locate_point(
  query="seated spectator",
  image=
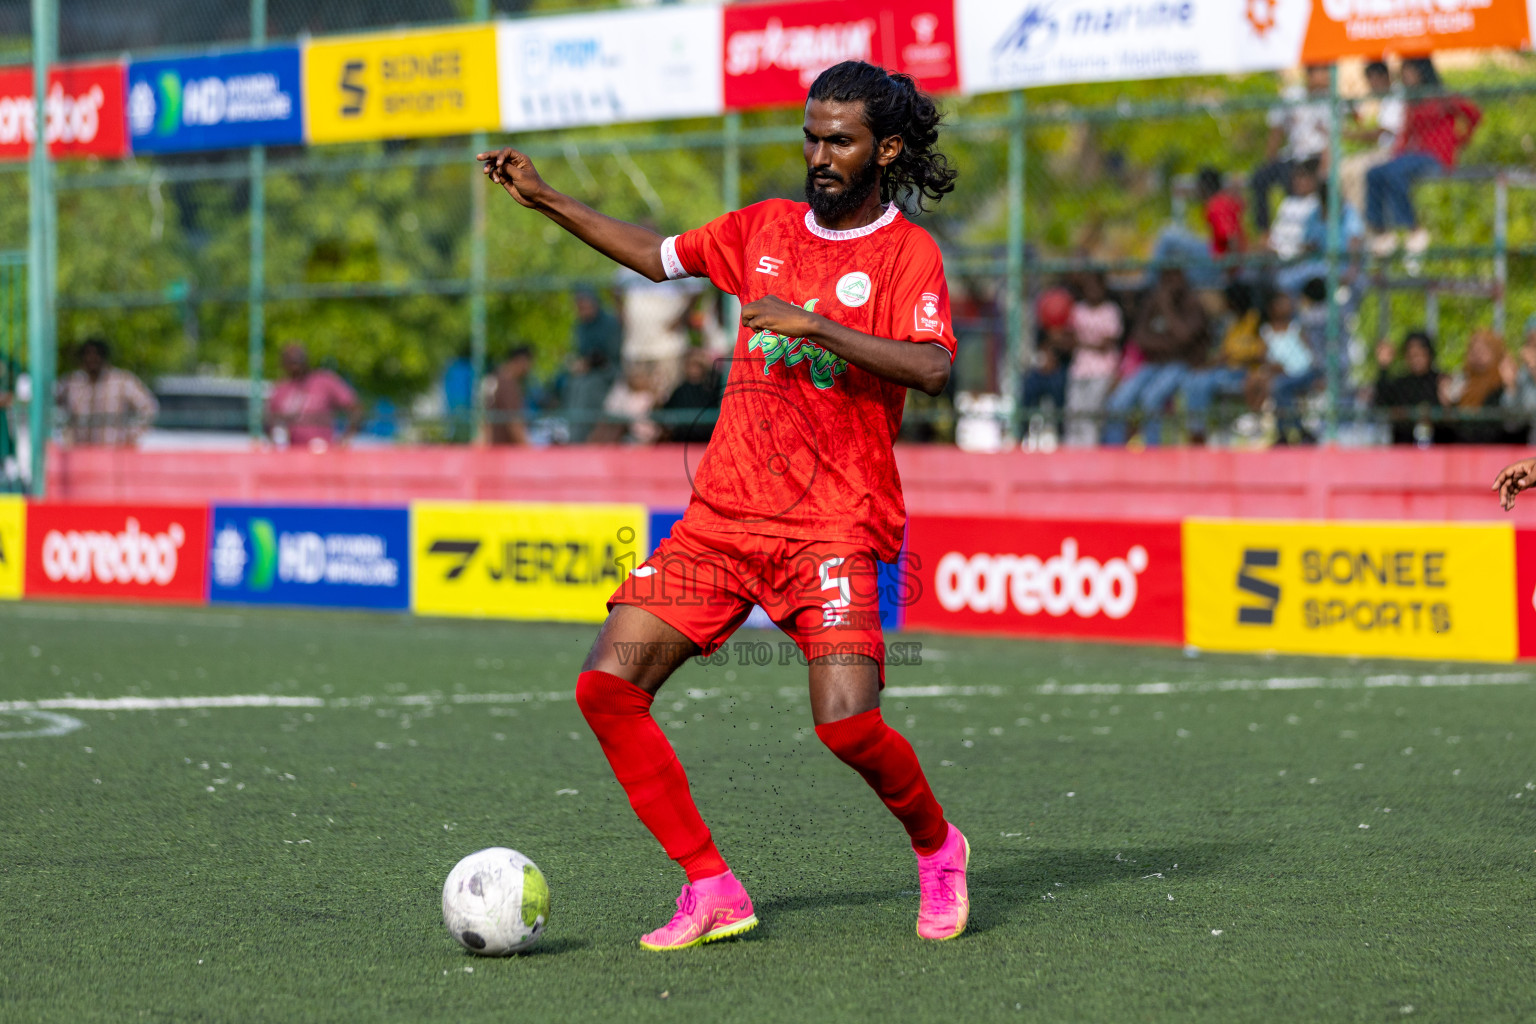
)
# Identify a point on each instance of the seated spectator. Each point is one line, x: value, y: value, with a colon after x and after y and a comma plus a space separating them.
x: 689, y: 413
x: 1312, y: 259
x: 1518, y: 374
x: 1223, y: 209
x: 509, y: 402
x: 1097, y: 324
x: 1291, y: 366
x: 627, y: 409
x: 1170, y: 333
x: 1437, y: 128
x: 303, y: 407
x: 1045, y: 382
x: 1242, y: 352
x: 1287, y: 236
x: 1412, y: 398
x: 1391, y: 114
x: 1298, y: 132
x: 1477, y: 389
x: 104, y: 404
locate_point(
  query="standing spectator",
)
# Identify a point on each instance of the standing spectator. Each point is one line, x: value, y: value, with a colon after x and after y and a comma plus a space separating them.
x: 1171, y: 333
x: 1298, y: 132
x: 688, y: 415
x: 627, y: 410
x: 1291, y: 368
x: 1045, y: 382
x: 597, y: 342
x: 1242, y: 352
x: 1477, y: 389
x: 303, y: 407
x: 1223, y: 209
x: 599, y: 337
x: 508, y: 401
x: 1097, y: 324
x: 459, y: 397
x: 102, y: 404
x: 1438, y: 127
x: 1519, y: 376
x: 655, y: 316
x: 1411, y: 400
x: 1391, y: 115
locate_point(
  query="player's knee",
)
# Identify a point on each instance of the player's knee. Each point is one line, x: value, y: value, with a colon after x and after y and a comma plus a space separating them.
x: 604, y: 693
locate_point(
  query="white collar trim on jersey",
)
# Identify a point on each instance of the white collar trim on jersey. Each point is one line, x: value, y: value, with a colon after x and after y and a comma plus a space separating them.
x: 891, y: 210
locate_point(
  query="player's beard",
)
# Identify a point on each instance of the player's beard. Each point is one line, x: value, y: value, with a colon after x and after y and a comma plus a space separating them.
x: 834, y: 206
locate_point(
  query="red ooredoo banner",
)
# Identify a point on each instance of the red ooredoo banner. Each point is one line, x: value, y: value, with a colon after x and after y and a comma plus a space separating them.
x: 85, y: 107
x: 773, y: 52
x: 142, y: 552
x: 1036, y: 577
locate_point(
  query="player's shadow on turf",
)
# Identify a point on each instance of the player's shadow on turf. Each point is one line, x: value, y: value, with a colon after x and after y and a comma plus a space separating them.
x: 549, y: 947
x: 1003, y: 882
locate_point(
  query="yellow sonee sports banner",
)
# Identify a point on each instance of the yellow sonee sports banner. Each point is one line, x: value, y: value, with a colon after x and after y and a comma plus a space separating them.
x: 13, y: 546
x: 399, y: 85
x: 523, y: 560
x: 1403, y: 590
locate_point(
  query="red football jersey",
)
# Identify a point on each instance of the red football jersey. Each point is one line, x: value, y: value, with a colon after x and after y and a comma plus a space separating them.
x: 803, y: 445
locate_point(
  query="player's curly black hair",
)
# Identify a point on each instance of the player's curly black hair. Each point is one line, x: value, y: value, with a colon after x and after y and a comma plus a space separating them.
x: 894, y: 105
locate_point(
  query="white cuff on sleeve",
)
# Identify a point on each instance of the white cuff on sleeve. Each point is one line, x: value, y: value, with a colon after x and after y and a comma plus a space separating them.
x: 669, y: 261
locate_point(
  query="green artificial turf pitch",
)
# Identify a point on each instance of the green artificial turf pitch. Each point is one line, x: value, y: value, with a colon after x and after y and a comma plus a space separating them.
x: 1255, y: 839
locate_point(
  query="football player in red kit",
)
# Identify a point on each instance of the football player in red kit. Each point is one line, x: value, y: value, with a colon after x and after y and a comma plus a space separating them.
x: 797, y: 495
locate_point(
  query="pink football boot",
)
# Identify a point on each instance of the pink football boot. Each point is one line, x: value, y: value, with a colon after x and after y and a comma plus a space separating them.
x: 941, y: 876
x: 709, y: 909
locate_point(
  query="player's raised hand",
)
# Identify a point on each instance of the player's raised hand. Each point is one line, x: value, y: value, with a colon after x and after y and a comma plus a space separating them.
x: 1513, y: 479
x: 515, y: 172
x: 773, y: 314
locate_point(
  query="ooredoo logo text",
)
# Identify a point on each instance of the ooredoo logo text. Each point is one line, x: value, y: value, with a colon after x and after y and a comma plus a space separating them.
x: 70, y: 119
x: 129, y: 556
x: 1063, y: 583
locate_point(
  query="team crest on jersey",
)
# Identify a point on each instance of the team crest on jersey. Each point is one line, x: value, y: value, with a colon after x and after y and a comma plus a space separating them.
x: 854, y: 289
x: 776, y: 348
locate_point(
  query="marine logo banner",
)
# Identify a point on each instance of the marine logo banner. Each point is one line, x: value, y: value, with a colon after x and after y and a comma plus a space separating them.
x: 217, y: 102
x: 399, y: 85
x: 13, y: 545
x: 1404, y: 590
x: 515, y: 560
x: 334, y: 557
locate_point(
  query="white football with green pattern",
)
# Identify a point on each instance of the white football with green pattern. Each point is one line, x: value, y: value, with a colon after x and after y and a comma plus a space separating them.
x: 496, y: 902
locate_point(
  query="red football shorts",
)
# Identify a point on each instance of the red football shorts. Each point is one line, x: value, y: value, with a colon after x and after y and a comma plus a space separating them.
x: 823, y: 594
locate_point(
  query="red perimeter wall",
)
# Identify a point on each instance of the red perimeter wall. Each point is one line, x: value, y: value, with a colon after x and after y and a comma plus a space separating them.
x: 1444, y: 483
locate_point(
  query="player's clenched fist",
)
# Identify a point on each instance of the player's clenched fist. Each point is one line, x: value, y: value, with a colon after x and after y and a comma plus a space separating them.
x: 1513, y: 479
x: 515, y: 172
x: 773, y: 314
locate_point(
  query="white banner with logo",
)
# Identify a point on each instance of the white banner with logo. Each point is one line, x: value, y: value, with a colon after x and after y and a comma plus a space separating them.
x: 1014, y: 44
x: 606, y: 68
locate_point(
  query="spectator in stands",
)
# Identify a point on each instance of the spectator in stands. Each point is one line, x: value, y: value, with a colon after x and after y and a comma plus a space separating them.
x: 655, y: 315
x: 509, y: 401
x: 1097, y: 325
x: 1391, y: 115
x: 1291, y: 366
x: 103, y: 404
x: 1476, y: 390
x: 627, y: 409
x: 1170, y: 334
x: 1287, y: 236
x: 599, y: 337
x: 1438, y: 126
x: 459, y: 397
x: 1242, y: 353
x: 1411, y: 399
x: 303, y: 407
x: 598, y: 341
x: 1045, y: 382
x: 1310, y: 207
x: 1518, y: 374
x: 1298, y: 132
x: 688, y: 415
x: 1223, y: 209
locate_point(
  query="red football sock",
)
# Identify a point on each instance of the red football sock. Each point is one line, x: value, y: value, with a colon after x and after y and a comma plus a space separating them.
x: 887, y: 762
x: 645, y: 764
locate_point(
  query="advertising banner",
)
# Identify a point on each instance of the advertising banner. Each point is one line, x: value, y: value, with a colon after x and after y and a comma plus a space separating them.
x: 605, y: 68
x: 1372, y: 28
x: 399, y: 85
x: 13, y: 545
x: 523, y: 560
x: 774, y: 51
x: 334, y: 557
x: 216, y: 102
x: 1037, y: 577
x: 117, y: 552
x: 1401, y: 590
x: 84, y: 111
x: 1525, y: 590
x: 1014, y: 44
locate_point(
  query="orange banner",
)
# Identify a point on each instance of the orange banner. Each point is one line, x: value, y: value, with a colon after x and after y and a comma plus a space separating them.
x: 1371, y: 28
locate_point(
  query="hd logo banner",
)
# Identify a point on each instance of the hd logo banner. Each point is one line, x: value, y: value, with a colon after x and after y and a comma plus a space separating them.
x: 1408, y: 590
x: 516, y: 560
x: 224, y: 101
x: 13, y: 544
x: 334, y: 557
x: 401, y: 85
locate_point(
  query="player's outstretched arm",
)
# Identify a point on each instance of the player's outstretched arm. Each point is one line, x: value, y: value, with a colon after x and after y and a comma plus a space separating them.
x: 636, y: 247
x: 1513, y: 479
x: 921, y: 366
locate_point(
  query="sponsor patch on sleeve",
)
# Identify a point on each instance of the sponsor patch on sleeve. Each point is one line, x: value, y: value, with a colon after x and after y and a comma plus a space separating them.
x: 925, y: 315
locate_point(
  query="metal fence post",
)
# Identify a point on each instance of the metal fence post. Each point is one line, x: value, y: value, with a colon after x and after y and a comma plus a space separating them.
x: 730, y: 189
x: 1013, y: 298
x: 1331, y: 340
x: 257, y: 283
x: 42, y: 211
x: 477, y: 273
